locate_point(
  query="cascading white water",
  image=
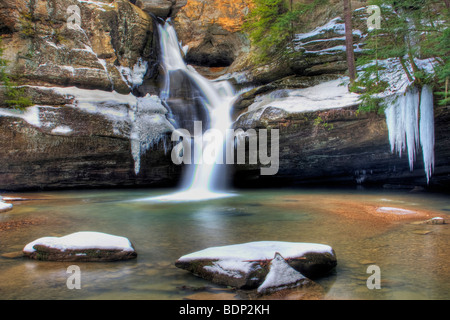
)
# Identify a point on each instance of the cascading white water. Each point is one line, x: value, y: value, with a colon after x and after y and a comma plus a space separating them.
x: 201, y: 180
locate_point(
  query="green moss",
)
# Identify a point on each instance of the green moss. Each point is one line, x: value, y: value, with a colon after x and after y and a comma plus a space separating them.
x: 319, y: 121
x: 27, y: 26
x: 15, y: 96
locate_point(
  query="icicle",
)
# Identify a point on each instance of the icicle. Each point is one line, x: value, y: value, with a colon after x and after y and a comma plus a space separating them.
x: 403, y: 124
x: 411, y: 110
x: 427, y: 130
x: 406, y: 131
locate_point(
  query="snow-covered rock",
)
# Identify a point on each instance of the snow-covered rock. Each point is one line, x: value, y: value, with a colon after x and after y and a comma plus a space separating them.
x: 246, y: 265
x: 5, y: 206
x: 81, y: 246
x: 281, y: 276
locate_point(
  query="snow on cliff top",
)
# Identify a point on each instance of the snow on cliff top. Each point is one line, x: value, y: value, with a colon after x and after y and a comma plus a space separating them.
x: 327, y: 95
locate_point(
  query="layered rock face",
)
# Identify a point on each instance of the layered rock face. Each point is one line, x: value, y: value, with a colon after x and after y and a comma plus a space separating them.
x: 72, y: 138
x: 92, y: 138
x: 343, y: 148
x: 212, y: 32
x: 72, y: 43
x: 81, y: 63
x: 160, y: 8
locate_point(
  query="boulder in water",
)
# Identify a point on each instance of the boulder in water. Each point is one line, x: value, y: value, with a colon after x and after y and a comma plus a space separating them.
x: 435, y: 220
x: 5, y: 206
x: 81, y: 246
x: 247, y: 265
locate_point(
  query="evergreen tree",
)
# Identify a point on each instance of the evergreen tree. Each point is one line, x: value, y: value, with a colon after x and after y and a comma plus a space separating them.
x: 411, y: 31
x: 271, y: 26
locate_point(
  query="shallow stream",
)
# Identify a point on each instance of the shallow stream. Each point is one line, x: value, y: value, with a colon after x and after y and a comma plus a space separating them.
x: 413, y: 258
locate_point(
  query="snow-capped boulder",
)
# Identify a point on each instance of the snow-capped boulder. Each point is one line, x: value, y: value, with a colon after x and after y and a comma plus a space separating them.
x: 5, y: 206
x: 247, y: 265
x: 81, y: 246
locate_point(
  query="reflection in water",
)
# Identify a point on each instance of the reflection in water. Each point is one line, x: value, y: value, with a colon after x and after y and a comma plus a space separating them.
x: 413, y: 257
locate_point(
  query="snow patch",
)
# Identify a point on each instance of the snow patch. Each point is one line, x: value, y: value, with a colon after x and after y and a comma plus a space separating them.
x: 281, y: 276
x: 335, y: 26
x: 327, y: 95
x: 230, y: 268
x: 62, y: 130
x: 98, y: 4
x: 392, y: 210
x: 30, y: 115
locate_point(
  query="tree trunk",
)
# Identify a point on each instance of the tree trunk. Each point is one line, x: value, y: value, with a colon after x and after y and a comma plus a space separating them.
x: 349, y: 40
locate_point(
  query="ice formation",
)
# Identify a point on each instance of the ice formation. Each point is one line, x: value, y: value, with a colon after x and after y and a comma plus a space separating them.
x: 409, y: 110
x: 134, y: 77
x: 148, y: 127
x: 410, y: 122
x: 427, y: 130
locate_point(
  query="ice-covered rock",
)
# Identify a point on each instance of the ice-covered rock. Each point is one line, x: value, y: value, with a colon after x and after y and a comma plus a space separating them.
x: 246, y: 265
x: 81, y: 246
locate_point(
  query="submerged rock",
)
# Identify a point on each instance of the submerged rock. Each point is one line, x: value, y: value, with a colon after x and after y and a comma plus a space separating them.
x: 81, y: 246
x: 247, y: 265
x: 435, y: 220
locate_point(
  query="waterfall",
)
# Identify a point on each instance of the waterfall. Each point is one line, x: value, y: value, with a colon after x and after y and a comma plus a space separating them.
x: 205, y: 102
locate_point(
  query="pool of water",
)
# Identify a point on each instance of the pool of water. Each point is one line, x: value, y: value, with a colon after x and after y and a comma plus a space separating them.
x: 413, y: 258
